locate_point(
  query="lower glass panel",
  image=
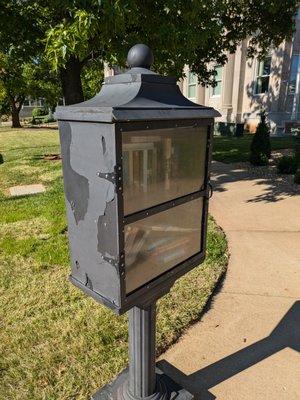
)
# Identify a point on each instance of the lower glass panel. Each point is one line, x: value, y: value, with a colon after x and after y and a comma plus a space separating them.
x: 156, y: 244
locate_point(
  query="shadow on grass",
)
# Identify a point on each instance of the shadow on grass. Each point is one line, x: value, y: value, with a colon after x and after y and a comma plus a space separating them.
x: 276, y: 188
x: 41, y: 127
x: 46, y: 146
x: 285, y: 335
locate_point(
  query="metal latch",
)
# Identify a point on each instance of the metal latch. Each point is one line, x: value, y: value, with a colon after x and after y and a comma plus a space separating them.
x: 210, y: 190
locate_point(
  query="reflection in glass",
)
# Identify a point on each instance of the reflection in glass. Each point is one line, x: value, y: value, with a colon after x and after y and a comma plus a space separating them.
x: 161, y: 165
x: 155, y: 244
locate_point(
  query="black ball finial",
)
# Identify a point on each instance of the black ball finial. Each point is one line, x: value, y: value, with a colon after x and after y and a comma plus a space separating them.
x: 140, y: 56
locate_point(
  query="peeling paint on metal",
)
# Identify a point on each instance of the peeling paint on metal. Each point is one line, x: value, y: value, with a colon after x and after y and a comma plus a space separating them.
x: 106, y: 227
x: 76, y: 185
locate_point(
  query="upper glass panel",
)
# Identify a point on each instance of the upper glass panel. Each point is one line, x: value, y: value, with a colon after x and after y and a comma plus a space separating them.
x: 161, y: 165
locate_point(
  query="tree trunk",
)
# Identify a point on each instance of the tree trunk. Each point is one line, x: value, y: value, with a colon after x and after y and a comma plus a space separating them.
x: 15, y: 117
x: 71, y: 81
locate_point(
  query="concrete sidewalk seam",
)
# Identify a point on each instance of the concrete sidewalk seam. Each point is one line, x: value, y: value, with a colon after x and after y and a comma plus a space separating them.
x: 260, y: 295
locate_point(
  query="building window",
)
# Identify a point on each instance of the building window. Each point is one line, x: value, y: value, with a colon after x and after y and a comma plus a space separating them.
x: 263, y: 75
x: 216, y: 90
x: 192, y: 85
x: 294, y: 73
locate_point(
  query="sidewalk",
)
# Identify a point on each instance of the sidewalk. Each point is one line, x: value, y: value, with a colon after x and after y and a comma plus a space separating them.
x: 247, y: 346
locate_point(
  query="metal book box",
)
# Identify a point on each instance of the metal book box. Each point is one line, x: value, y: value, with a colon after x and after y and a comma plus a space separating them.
x: 136, y: 174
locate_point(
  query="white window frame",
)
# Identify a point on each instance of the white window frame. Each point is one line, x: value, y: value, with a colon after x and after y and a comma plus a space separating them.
x: 258, y: 76
x: 218, y: 81
x: 290, y: 92
x: 191, y: 83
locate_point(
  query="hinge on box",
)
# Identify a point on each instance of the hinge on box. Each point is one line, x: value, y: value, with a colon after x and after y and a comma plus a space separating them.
x: 113, y: 261
x: 113, y: 177
x: 117, y: 262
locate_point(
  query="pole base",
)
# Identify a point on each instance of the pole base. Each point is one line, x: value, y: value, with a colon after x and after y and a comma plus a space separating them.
x: 167, y: 389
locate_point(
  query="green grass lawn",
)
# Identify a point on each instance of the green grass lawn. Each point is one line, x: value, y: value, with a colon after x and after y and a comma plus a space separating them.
x: 55, y: 342
x: 236, y: 149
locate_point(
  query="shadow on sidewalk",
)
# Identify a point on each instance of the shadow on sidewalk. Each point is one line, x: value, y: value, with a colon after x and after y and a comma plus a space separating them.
x: 286, y: 334
x: 277, y: 186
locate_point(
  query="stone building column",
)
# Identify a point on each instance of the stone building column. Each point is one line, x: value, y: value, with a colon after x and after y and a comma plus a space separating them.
x: 238, y: 89
x: 201, y: 94
x: 227, y: 84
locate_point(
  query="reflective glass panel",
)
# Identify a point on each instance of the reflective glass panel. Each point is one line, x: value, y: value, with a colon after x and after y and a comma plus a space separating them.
x: 161, y: 165
x: 155, y: 244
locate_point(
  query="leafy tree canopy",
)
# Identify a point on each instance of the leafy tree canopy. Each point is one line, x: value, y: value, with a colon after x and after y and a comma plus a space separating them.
x: 20, y: 79
x: 79, y: 32
x: 179, y: 32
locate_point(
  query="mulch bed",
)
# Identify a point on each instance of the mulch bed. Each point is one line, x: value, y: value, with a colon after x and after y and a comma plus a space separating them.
x: 269, y: 172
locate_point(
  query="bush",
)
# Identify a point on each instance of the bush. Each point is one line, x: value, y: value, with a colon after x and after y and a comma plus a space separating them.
x: 297, y: 177
x: 261, y: 145
x: 48, y: 118
x: 38, y: 112
x: 259, y: 159
x: 287, y: 165
x: 4, y: 117
x: 1, y: 159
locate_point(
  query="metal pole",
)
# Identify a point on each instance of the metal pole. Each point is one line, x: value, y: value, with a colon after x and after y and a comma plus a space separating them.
x: 142, y: 327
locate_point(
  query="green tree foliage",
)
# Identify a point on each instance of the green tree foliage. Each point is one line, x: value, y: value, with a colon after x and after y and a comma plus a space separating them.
x: 4, y: 103
x: 261, y: 144
x: 21, y: 79
x: 92, y: 77
x: 77, y: 32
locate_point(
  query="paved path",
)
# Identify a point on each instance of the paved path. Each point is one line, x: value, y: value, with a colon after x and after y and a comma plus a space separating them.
x: 247, y: 346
